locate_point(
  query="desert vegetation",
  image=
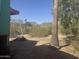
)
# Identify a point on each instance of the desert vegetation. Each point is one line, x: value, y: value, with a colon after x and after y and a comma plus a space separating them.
x: 38, y: 30
x: 68, y: 24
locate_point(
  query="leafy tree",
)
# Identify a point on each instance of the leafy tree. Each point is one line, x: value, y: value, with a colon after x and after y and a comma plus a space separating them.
x: 68, y: 15
x: 69, y: 19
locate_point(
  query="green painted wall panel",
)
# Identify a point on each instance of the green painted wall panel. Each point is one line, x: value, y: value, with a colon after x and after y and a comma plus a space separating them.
x: 4, y: 17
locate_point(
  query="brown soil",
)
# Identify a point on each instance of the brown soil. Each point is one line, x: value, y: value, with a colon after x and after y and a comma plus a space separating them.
x: 22, y: 48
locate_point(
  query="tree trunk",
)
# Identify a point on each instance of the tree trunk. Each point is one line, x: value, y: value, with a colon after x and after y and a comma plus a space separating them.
x: 55, y: 41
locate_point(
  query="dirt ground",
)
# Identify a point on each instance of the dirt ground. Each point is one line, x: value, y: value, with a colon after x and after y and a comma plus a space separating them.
x: 38, y: 48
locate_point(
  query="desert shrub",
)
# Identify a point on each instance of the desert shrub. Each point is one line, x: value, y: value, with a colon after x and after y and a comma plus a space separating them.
x: 40, y: 31
x: 75, y: 44
x: 17, y: 28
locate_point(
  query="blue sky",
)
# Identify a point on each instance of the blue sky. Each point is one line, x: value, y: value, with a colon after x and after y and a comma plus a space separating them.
x: 33, y: 10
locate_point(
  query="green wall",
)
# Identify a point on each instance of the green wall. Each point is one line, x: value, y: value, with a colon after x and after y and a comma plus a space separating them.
x: 4, y: 17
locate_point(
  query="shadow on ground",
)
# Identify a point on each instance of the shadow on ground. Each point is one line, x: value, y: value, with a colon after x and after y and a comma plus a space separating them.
x: 22, y: 48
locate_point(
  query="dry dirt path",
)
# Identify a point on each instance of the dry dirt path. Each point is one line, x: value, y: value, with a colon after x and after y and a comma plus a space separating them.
x: 22, y: 48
